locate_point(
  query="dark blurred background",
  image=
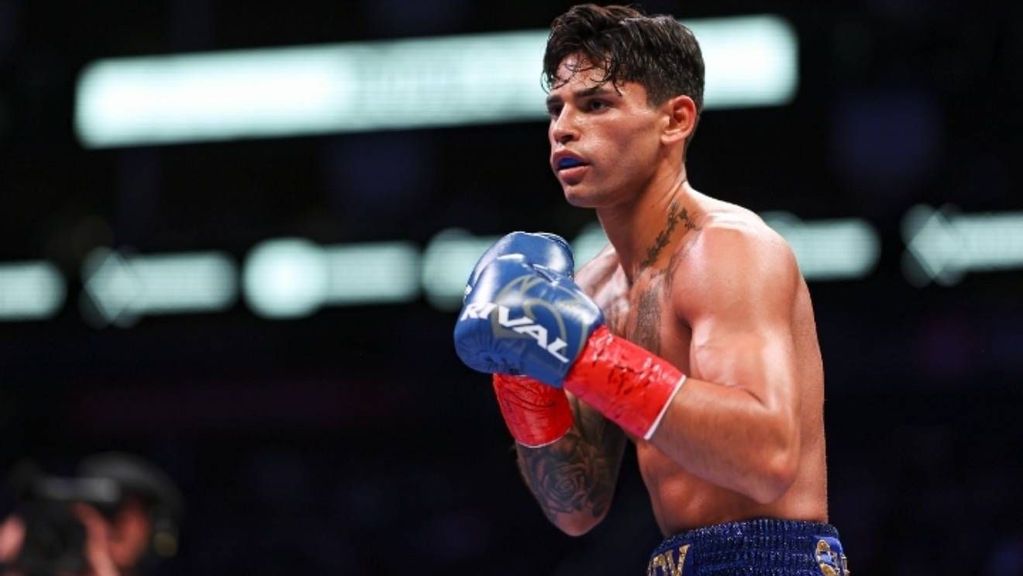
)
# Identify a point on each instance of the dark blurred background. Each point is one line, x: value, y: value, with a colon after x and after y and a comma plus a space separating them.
x: 352, y: 441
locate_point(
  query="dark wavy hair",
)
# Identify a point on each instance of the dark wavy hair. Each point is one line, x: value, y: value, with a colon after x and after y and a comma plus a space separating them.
x: 655, y: 51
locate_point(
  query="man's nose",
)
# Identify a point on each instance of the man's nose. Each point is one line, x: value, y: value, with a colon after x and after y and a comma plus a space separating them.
x: 563, y: 128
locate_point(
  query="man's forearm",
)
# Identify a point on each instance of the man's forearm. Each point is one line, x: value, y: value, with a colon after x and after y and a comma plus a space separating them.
x: 574, y: 478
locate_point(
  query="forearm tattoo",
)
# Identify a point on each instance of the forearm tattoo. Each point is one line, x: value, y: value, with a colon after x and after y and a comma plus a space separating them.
x: 577, y: 473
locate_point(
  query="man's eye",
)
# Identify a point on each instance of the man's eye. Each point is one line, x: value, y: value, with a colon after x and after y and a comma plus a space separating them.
x: 595, y: 105
x: 553, y: 111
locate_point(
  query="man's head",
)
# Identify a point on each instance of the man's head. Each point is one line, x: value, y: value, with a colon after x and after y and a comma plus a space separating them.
x: 624, y: 96
x: 655, y: 51
x: 150, y: 509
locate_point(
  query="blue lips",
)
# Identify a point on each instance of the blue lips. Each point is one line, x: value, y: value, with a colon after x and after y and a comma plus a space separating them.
x: 569, y: 163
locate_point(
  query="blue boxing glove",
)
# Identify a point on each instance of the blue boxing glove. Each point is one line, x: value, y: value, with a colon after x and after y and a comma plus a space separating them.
x: 538, y: 248
x: 522, y: 313
x: 536, y: 414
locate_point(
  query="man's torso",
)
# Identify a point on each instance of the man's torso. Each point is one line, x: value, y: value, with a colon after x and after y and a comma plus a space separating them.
x: 642, y: 313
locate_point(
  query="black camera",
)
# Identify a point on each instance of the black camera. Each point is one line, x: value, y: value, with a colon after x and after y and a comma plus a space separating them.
x: 55, y: 538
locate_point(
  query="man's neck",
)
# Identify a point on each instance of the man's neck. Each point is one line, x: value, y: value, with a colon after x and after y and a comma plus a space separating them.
x: 644, y: 230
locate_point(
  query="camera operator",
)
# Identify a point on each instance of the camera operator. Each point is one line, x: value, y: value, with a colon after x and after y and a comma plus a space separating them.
x: 116, y: 517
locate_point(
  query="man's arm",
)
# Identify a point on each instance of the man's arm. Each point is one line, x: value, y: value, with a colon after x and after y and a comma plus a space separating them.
x: 735, y: 422
x: 574, y: 478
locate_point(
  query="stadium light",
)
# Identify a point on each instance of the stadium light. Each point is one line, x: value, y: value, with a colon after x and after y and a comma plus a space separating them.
x: 30, y: 291
x: 385, y: 85
x: 293, y: 277
x: 943, y: 245
x: 837, y: 249
x: 120, y: 288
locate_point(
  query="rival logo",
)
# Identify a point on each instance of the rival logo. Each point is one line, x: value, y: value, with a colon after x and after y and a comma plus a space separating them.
x: 524, y: 325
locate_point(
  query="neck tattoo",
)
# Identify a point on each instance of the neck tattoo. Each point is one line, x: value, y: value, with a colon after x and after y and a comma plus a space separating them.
x: 676, y: 215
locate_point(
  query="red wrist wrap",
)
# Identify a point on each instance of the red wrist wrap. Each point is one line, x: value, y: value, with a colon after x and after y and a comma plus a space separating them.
x: 536, y: 414
x: 625, y: 382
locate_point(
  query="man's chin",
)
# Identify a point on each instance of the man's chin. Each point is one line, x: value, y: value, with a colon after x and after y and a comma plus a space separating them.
x: 579, y: 198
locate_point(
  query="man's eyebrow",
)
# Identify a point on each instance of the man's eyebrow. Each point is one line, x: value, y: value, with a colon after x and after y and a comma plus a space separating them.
x: 593, y: 91
x: 599, y: 89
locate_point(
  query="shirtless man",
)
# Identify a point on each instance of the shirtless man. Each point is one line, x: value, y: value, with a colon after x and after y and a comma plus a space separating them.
x: 692, y: 334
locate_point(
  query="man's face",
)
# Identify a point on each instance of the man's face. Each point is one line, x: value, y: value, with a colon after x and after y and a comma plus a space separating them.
x: 605, y: 139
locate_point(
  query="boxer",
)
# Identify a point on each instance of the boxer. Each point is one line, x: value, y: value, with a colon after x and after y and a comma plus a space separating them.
x: 691, y: 334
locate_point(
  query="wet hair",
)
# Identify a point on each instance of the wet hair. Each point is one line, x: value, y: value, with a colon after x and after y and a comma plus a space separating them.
x: 656, y: 51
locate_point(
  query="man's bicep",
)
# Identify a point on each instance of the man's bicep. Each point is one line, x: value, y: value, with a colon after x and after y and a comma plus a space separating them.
x: 740, y: 314
x: 760, y: 361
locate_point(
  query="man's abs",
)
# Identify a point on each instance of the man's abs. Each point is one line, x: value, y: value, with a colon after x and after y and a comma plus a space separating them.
x: 681, y: 501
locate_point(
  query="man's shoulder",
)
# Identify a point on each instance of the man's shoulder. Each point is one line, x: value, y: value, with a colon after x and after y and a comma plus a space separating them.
x: 735, y: 245
x: 736, y: 259
x: 732, y: 228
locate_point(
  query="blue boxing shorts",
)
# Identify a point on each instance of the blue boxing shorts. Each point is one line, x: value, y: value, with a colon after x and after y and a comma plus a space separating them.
x: 762, y: 547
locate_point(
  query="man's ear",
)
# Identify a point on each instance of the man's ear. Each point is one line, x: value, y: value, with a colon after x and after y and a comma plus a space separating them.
x: 682, y: 117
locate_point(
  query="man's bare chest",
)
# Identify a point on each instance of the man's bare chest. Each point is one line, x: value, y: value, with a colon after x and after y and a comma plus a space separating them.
x: 643, y: 314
